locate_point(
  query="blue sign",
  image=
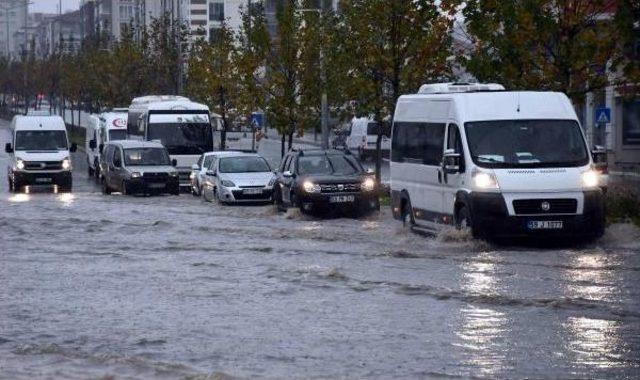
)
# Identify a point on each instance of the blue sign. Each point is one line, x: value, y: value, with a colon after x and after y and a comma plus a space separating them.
x: 603, y: 115
x: 257, y: 120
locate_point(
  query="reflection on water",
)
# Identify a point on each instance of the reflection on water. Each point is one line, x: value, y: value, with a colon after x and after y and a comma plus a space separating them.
x: 596, y: 342
x: 19, y: 198
x: 482, y: 331
x: 66, y: 198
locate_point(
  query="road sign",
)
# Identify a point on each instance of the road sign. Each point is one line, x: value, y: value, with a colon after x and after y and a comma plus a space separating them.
x: 257, y: 120
x: 603, y: 115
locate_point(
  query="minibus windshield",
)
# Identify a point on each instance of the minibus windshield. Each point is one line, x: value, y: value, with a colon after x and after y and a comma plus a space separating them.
x: 41, y: 140
x: 118, y: 134
x: 526, y: 143
x: 182, y: 138
x: 146, y: 157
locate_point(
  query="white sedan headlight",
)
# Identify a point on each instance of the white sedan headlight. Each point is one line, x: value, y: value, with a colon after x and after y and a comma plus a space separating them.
x: 368, y: 184
x: 311, y: 187
x: 227, y: 183
x: 485, y: 181
x: 590, y: 179
x: 66, y: 164
x: 19, y: 164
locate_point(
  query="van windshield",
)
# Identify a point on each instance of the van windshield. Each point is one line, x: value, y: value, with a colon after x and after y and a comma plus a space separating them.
x: 146, y: 157
x: 41, y: 140
x: 117, y: 134
x: 526, y: 143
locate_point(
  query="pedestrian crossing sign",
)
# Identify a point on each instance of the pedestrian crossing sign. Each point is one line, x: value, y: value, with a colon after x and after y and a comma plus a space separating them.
x: 603, y: 115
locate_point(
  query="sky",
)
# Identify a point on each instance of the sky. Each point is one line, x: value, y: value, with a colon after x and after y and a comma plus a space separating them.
x: 51, y: 6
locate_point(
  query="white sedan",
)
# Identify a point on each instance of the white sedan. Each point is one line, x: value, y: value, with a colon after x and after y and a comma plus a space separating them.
x: 199, y: 169
x: 239, y: 178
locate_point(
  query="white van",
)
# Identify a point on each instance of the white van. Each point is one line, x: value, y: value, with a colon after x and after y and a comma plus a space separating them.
x: 40, y: 153
x: 102, y: 128
x: 503, y: 164
x: 363, y: 136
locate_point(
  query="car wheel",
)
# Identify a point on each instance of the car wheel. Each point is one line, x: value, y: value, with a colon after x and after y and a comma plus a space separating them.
x: 96, y: 171
x: 90, y: 171
x: 407, y: 215
x: 278, y: 201
x: 205, y: 194
x: 464, y: 222
x: 12, y: 188
x: 124, y: 188
x: 105, y: 188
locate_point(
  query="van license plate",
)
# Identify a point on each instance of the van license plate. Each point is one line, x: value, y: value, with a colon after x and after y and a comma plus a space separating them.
x: 252, y: 191
x: 342, y: 199
x: 156, y: 185
x: 545, y: 225
x: 43, y: 180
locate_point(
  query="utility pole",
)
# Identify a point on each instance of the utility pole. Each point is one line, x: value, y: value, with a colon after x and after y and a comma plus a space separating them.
x: 179, y: 36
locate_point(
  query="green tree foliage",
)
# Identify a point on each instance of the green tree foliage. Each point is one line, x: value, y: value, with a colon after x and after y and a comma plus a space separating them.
x: 541, y: 44
x: 627, y: 23
x: 394, y: 47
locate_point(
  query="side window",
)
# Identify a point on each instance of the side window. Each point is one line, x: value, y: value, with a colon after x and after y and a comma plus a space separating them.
x: 290, y: 166
x: 285, y: 163
x: 454, y: 141
x: 199, y: 163
x: 418, y: 143
x: 116, y: 155
x: 207, y: 161
x: 108, y: 155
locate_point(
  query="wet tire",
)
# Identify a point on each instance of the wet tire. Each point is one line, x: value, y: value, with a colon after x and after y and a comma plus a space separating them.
x: 124, y: 188
x: 96, y: 171
x: 205, y: 195
x: 105, y: 189
x: 277, y: 200
x: 90, y: 171
x: 465, y: 222
x: 407, y: 215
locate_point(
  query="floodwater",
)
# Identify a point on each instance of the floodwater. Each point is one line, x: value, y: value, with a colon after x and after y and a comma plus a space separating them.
x: 95, y: 286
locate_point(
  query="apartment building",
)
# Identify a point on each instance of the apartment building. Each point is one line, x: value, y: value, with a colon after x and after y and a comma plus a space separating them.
x: 13, y: 18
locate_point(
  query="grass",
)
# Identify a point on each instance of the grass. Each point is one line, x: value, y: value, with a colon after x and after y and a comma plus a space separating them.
x: 623, y: 205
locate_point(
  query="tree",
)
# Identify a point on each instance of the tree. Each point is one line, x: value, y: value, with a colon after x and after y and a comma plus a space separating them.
x: 394, y: 47
x: 541, y: 44
x: 212, y: 75
x: 627, y: 24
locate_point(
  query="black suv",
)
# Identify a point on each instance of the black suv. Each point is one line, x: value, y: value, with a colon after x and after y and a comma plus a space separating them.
x: 318, y: 181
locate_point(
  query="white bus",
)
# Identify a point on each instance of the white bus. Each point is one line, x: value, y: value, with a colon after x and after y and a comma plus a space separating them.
x: 503, y: 164
x: 184, y: 127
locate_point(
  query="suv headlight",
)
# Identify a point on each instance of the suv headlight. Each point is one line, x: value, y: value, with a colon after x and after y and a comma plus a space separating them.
x: 311, y: 187
x: 368, y: 184
x: 485, y: 181
x: 19, y: 164
x: 590, y: 179
x: 136, y: 175
x: 173, y: 174
x: 227, y: 183
x: 66, y: 164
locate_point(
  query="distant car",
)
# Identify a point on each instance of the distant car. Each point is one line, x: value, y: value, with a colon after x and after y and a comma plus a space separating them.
x: 324, y: 180
x: 199, y: 170
x: 138, y: 167
x: 363, y: 138
x: 238, y: 178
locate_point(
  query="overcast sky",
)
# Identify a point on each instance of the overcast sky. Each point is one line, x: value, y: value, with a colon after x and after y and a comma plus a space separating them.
x: 51, y: 6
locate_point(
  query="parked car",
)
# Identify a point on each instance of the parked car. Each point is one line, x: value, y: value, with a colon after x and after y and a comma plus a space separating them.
x: 324, y: 180
x: 498, y: 163
x: 138, y: 167
x: 199, y: 169
x: 239, y: 178
x: 40, y: 153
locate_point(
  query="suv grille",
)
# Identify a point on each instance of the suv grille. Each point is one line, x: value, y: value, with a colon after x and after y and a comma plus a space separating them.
x: 43, y: 165
x: 545, y: 206
x: 340, y: 187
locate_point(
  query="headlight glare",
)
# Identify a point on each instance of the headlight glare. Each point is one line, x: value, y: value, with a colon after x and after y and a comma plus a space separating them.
x: 484, y: 180
x: 19, y: 164
x: 136, y: 175
x: 66, y: 164
x: 368, y: 184
x: 311, y: 187
x: 590, y: 179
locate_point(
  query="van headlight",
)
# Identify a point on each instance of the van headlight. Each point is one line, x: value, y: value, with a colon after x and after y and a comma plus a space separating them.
x: 19, y: 164
x: 310, y: 187
x: 136, y: 175
x: 590, y: 179
x: 368, y: 184
x: 66, y: 164
x: 485, y: 181
x: 227, y: 183
x: 173, y: 174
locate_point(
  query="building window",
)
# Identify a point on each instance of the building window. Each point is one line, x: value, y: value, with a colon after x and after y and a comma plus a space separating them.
x: 214, y: 34
x: 199, y: 2
x: 199, y: 12
x: 216, y: 11
x: 631, y: 122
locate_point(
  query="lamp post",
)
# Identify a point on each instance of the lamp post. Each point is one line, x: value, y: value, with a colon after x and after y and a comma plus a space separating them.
x: 324, y: 108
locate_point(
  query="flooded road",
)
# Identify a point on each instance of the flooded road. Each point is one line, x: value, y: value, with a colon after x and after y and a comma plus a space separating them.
x: 96, y: 286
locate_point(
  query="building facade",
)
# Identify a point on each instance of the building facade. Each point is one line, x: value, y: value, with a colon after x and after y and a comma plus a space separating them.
x: 13, y: 18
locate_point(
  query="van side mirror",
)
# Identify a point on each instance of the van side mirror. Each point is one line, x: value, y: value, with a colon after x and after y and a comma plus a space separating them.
x: 92, y: 144
x: 174, y: 162
x: 8, y: 148
x: 600, y: 161
x: 287, y: 174
x: 73, y: 148
x: 451, y: 162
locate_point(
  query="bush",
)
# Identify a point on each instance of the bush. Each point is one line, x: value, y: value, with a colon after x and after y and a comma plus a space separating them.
x: 623, y: 205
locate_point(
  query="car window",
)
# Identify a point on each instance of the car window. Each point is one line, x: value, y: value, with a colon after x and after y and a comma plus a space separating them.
x: 454, y: 142
x: 289, y: 166
x: 199, y: 163
x: 285, y: 162
x: 116, y: 155
x: 207, y: 161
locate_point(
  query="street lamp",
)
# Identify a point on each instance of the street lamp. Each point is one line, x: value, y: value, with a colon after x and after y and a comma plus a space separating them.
x: 324, y: 109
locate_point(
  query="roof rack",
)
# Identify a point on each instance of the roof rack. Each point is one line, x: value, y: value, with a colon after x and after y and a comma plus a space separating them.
x: 458, y: 87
